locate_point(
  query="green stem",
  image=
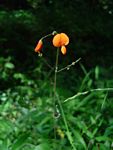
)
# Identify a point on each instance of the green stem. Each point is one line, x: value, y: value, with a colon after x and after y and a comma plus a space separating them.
x: 87, y: 92
x: 56, y: 69
x: 57, y: 100
x: 65, y: 122
x: 46, y: 36
x: 55, y: 80
x: 53, y: 33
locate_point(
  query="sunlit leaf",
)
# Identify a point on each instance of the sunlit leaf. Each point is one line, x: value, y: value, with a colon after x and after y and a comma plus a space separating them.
x: 9, y: 65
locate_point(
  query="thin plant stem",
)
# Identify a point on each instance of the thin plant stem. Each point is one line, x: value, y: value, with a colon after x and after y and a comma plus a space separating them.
x: 104, y: 100
x: 56, y: 69
x: 57, y: 100
x: 45, y: 61
x: 66, y: 124
x: 53, y: 33
x: 87, y: 92
x: 46, y: 36
x: 55, y: 80
x: 68, y: 66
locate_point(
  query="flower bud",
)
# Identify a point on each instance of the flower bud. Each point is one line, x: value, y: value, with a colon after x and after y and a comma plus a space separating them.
x: 39, y: 46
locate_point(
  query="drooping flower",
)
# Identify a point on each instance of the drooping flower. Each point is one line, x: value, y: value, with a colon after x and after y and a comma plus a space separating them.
x: 61, y: 40
x: 39, y: 46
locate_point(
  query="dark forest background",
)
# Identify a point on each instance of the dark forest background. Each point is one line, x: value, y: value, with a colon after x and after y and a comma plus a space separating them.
x: 26, y: 81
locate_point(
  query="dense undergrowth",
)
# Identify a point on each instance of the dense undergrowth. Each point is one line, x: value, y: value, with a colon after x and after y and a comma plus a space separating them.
x: 85, y: 90
x: 27, y: 121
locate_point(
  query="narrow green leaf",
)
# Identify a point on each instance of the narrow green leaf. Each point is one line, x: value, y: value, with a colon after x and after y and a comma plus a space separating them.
x: 102, y: 138
x: 96, y: 72
x: 44, y: 146
x: 20, y: 142
x: 80, y: 139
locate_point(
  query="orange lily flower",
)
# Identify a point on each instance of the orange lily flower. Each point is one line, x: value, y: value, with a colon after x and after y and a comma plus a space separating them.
x: 39, y: 46
x: 61, y: 40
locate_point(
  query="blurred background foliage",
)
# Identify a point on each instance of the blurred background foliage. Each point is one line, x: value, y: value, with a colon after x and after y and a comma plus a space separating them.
x: 26, y: 81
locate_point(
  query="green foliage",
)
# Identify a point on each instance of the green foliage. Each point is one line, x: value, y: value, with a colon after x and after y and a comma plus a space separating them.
x: 26, y: 120
x: 26, y: 81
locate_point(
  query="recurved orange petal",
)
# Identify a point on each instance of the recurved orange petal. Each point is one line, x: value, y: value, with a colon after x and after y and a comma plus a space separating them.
x: 63, y: 50
x: 60, y: 40
x: 57, y: 40
x: 39, y: 46
x: 64, y: 39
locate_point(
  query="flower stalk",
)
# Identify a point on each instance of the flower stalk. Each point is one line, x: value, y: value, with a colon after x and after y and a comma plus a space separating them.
x: 60, y: 41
